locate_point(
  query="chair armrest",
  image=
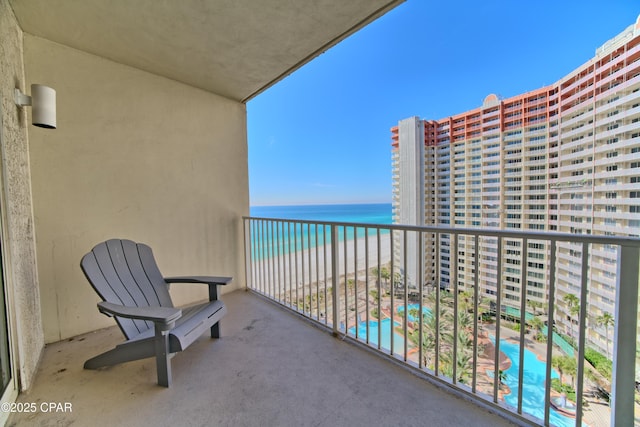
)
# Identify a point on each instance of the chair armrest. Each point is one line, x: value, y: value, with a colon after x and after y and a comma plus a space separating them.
x: 212, y: 281
x: 163, y: 315
x: 209, y: 280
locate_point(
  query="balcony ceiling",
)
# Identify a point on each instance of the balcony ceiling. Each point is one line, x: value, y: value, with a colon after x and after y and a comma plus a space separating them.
x: 235, y: 48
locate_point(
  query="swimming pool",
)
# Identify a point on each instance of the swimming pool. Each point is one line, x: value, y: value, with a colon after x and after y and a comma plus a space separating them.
x: 385, y: 329
x: 410, y: 318
x: 533, y: 373
x: 532, y: 384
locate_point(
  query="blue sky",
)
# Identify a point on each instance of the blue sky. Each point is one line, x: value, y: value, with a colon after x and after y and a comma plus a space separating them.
x: 322, y: 135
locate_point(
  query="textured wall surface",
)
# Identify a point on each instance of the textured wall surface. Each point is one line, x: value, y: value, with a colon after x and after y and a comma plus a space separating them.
x: 134, y: 156
x: 18, y: 238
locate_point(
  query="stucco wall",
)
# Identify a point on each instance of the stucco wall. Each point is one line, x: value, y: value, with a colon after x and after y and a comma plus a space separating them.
x: 135, y: 156
x: 18, y: 239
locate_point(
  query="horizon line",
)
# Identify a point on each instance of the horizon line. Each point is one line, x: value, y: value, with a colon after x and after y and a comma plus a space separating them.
x: 320, y: 204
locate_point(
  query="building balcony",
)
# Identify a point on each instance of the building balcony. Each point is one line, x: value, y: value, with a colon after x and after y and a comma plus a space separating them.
x: 586, y: 106
x: 579, y: 81
x: 584, y: 118
x: 620, y: 87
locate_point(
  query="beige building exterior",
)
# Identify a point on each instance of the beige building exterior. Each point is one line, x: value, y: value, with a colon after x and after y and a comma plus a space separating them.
x: 562, y: 158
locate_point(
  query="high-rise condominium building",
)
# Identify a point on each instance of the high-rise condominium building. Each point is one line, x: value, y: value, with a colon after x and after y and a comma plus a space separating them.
x: 563, y: 158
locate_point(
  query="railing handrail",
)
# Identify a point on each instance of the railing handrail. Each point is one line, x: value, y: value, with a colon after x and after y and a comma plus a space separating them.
x: 480, y: 232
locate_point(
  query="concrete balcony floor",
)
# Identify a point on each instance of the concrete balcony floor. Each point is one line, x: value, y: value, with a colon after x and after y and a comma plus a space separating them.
x: 270, y: 368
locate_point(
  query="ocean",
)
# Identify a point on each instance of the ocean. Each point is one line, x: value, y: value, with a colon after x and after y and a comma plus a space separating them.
x: 310, y: 236
x: 372, y: 213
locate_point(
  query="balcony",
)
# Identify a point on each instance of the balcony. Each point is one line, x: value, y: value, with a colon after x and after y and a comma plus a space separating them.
x: 284, y: 346
x: 270, y: 368
x: 188, y: 69
x: 357, y: 279
x: 178, y: 135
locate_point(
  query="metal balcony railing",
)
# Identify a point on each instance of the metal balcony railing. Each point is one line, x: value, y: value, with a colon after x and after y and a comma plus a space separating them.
x: 487, y: 339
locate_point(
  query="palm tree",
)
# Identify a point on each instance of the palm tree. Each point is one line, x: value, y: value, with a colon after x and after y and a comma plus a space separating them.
x: 463, y: 367
x: 465, y: 342
x: 501, y: 377
x: 465, y: 321
x: 446, y: 300
x: 573, y: 305
x: 537, y: 324
x: 385, y: 275
x: 430, y: 331
x: 606, y: 320
x: 565, y: 365
x: 463, y: 361
x: 443, y: 318
x: 464, y: 345
x: 398, y: 282
x: 535, y: 305
x: 465, y: 300
x: 483, y: 308
x: 374, y: 273
x: 570, y: 366
x: 558, y: 363
x: 428, y: 337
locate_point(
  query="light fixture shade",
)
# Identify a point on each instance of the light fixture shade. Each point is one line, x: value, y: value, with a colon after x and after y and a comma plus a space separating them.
x: 43, y: 99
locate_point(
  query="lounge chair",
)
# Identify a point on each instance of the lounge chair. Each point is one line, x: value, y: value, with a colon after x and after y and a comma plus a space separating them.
x: 127, y: 278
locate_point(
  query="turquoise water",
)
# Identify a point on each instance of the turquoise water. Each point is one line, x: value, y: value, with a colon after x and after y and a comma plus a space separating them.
x: 372, y: 213
x: 289, y: 237
x: 532, y: 384
x: 410, y: 318
x: 385, y: 328
x: 533, y: 373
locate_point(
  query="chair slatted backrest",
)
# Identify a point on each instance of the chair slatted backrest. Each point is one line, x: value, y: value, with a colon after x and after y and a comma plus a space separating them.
x: 124, y: 272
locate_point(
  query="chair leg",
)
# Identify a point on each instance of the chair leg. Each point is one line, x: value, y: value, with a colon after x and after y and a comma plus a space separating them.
x: 213, y: 296
x: 125, y: 352
x: 215, y: 330
x: 163, y: 364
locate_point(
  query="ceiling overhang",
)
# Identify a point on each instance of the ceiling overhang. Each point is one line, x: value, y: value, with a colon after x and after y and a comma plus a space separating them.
x: 234, y: 48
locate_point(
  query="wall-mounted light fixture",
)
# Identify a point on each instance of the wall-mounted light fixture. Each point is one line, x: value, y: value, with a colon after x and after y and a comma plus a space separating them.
x: 43, y: 101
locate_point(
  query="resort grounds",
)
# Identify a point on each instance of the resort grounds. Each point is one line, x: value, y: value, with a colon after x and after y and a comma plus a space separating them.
x: 369, y: 299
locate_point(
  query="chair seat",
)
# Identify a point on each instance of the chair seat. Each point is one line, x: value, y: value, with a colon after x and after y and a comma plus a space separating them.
x: 195, y: 320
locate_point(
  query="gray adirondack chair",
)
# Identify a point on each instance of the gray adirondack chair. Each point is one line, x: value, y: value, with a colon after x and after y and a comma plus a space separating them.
x: 125, y: 275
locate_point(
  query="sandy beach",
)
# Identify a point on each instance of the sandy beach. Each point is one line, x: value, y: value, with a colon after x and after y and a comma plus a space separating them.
x: 311, y: 265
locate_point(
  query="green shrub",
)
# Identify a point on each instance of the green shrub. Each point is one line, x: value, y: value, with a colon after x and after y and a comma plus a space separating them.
x: 540, y: 337
x: 563, y: 388
x: 593, y: 356
x: 603, y: 365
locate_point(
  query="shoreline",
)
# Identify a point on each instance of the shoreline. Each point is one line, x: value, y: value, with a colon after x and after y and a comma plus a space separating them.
x: 308, y: 266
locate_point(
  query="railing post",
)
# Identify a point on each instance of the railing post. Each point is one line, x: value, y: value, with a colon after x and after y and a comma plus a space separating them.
x: 335, y: 272
x: 248, y: 261
x: 624, y: 351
